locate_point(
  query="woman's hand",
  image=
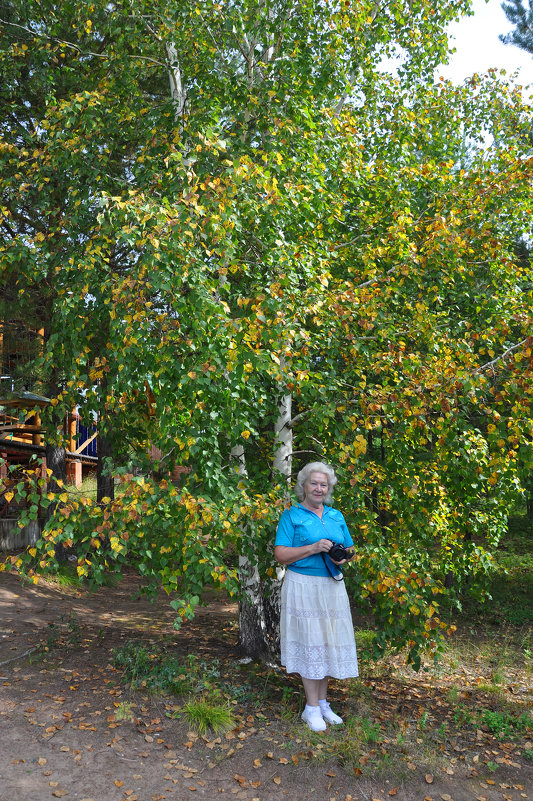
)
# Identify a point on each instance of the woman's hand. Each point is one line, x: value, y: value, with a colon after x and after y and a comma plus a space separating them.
x: 323, y: 546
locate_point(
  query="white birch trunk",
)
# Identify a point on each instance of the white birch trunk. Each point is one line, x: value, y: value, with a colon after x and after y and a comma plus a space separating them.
x: 260, y: 608
x: 283, y: 438
x: 253, y: 639
x: 177, y: 92
x: 282, y: 467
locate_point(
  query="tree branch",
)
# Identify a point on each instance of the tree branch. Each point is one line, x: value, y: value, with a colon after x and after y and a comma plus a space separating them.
x: 72, y: 46
x: 490, y: 365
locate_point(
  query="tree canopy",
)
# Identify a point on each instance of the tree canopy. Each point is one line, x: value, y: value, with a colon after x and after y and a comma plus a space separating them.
x: 252, y: 247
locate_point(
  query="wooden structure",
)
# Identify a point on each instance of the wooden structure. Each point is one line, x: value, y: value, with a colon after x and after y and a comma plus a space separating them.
x: 21, y: 436
x: 21, y: 440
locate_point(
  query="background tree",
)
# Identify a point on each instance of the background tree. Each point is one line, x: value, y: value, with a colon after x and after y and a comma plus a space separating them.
x: 521, y: 16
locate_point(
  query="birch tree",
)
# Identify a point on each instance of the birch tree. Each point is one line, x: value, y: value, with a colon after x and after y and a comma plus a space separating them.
x: 300, y: 257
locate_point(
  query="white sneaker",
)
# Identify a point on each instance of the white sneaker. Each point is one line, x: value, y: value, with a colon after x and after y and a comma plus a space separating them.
x: 313, y: 717
x: 329, y: 715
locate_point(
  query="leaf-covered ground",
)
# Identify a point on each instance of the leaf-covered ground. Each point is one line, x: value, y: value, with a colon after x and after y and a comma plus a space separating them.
x: 73, y: 728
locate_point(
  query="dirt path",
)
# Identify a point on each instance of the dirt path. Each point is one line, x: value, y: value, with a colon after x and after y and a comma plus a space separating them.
x: 61, y: 704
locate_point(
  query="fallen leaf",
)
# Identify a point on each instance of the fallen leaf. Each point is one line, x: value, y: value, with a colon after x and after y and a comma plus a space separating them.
x: 118, y: 783
x: 446, y: 797
x: 59, y: 793
x: 277, y: 779
x: 393, y: 791
x: 42, y: 761
x: 429, y: 778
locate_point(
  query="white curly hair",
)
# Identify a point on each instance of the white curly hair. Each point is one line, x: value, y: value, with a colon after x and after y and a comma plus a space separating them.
x: 315, y: 467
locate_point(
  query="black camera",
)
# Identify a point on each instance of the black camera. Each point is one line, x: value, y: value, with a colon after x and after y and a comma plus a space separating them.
x: 338, y: 553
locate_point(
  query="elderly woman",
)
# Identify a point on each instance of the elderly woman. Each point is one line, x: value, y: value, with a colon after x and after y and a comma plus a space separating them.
x: 317, y: 639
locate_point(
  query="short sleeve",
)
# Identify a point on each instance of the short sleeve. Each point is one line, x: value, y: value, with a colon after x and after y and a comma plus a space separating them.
x: 348, y: 542
x: 285, y: 532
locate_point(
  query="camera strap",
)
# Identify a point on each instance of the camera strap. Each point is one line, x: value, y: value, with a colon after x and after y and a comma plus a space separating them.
x: 333, y: 576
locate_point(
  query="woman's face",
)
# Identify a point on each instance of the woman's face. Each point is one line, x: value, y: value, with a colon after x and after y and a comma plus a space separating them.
x: 316, y: 488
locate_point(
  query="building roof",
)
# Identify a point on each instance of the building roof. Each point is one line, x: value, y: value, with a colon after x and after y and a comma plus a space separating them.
x: 21, y: 400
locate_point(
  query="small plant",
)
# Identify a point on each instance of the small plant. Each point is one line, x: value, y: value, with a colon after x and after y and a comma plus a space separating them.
x: 370, y: 732
x: 442, y: 731
x: 505, y: 725
x: 73, y: 631
x: 453, y: 695
x: 423, y: 720
x: 124, y: 711
x: 64, y: 634
x: 204, y: 714
x: 462, y: 716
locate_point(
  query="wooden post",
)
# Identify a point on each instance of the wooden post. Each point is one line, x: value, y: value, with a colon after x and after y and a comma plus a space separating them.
x: 36, y: 437
x: 72, y: 431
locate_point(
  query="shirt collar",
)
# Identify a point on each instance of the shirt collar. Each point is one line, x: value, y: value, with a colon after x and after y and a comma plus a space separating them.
x: 327, y: 509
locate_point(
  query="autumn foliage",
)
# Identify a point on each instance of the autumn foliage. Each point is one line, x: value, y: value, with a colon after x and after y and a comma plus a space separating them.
x: 284, y: 226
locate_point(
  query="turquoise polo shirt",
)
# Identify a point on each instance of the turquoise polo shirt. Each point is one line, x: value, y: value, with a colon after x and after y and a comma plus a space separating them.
x: 299, y: 526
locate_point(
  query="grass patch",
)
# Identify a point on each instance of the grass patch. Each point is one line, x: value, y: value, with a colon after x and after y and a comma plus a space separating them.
x: 152, y: 668
x: 87, y: 488
x: 505, y: 725
x: 66, y: 576
x: 204, y: 714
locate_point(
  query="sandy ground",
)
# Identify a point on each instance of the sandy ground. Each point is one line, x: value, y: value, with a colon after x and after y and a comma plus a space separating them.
x: 71, y: 728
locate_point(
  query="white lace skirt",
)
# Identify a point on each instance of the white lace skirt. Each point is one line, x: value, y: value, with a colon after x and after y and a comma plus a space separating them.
x: 316, y: 628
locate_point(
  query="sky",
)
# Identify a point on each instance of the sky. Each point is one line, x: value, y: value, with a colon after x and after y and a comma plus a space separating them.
x: 479, y: 48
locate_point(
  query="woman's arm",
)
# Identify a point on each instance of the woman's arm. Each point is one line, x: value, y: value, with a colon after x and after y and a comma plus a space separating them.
x: 286, y: 555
